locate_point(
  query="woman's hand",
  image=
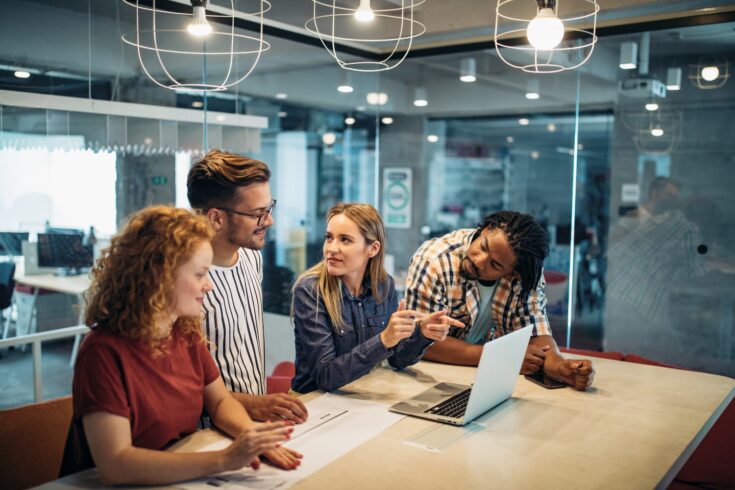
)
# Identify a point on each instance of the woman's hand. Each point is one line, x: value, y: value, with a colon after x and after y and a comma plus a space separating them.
x: 284, y: 458
x: 400, y: 325
x: 254, y: 441
x: 436, y: 326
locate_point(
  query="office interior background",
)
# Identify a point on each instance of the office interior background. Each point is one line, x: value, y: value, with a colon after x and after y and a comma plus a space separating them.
x: 582, y: 150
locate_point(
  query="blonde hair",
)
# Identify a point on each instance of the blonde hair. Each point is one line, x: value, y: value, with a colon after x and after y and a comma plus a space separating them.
x: 368, y: 220
x: 133, y: 280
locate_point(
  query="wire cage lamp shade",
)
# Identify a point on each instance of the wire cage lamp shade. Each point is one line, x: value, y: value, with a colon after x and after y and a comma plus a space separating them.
x: 390, y: 30
x: 653, y: 132
x: 180, y: 49
x: 545, y: 38
x: 708, y: 76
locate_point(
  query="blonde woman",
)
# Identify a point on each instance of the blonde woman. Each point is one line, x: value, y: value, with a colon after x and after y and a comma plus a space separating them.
x: 347, y: 317
x: 144, y: 373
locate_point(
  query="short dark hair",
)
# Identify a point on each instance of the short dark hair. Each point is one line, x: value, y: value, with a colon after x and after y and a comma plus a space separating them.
x: 528, y: 240
x: 660, y: 183
x: 213, y: 180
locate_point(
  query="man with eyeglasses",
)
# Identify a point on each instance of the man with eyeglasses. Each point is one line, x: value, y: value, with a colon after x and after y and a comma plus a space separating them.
x: 234, y: 193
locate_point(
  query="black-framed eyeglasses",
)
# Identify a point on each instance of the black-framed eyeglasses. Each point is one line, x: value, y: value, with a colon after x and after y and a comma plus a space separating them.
x: 261, y: 215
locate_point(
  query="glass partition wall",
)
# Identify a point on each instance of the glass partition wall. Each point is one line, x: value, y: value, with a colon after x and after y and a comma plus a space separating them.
x: 640, y: 262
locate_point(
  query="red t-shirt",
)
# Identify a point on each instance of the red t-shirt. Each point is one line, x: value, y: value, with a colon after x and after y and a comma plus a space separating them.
x: 161, y: 395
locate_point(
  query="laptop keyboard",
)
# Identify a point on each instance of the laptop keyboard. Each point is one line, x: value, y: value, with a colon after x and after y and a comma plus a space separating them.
x: 452, y: 407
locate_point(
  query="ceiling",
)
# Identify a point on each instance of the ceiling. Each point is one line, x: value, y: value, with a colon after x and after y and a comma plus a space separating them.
x: 56, y: 36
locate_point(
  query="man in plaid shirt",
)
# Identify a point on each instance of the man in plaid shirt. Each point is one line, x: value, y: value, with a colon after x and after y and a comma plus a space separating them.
x: 491, y: 279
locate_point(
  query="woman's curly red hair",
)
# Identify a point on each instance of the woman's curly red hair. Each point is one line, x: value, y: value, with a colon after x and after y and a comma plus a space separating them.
x: 133, y: 280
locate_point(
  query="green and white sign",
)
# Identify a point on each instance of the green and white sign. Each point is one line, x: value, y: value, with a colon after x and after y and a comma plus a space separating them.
x: 397, y: 194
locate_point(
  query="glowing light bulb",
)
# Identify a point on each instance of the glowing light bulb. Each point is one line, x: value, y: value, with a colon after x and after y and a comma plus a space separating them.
x: 545, y: 31
x: 710, y: 73
x: 652, y: 106
x: 364, y: 13
x: 329, y: 138
x: 199, y: 26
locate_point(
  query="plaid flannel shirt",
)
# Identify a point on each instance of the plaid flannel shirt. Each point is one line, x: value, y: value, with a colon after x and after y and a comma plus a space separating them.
x: 644, y: 265
x: 434, y: 283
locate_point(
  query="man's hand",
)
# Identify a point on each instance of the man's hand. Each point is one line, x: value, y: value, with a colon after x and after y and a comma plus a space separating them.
x: 436, y: 326
x: 534, y: 358
x: 577, y: 373
x: 284, y: 458
x: 275, y: 407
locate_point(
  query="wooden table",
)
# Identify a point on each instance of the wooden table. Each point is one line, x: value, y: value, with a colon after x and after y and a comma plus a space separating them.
x: 634, y: 430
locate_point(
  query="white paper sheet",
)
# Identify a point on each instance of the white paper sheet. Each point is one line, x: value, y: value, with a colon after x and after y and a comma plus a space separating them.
x: 336, y: 425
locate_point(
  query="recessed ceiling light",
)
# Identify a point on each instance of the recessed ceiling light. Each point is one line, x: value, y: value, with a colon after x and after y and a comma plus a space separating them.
x: 533, y: 95
x: 628, y: 55
x: 387, y: 120
x: 657, y: 132
x: 535, y: 155
x: 197, y: 104
x: 281, y: 96
x: 220, y: 117
x: 524, y: 121
x: 345, y: 89
x: 349, y: 120
x: 673, y: 79
x: 432, y: 138
x: 652, y: 106
x: 509, y: 139
x: 377, y: 98
x: 420, y: 99
x: 551, y: 127
x: 468, y: 70
x: 22, y: 74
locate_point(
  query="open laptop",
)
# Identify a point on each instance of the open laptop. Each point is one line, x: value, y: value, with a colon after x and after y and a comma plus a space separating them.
x: 496, y: 378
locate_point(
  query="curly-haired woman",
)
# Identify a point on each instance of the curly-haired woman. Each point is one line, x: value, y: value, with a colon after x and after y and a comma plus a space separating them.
x: 144, y: 374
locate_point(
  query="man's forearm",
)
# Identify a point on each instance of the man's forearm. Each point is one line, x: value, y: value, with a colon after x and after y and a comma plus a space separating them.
x: 454, y: 351
x: 244, y: 398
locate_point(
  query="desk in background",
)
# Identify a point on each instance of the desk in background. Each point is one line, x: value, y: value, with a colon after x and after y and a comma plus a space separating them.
x: 74, y: 285
x: 636, y: 429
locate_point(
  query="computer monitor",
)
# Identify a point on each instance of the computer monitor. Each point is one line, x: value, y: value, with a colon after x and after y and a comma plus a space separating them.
x: 64, y: 231
x: 65, y: 251
x: 10, y: 242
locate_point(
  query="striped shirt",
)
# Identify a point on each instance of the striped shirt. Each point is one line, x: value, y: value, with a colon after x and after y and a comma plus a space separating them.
x: 233, y: 322
x: 434, y: 283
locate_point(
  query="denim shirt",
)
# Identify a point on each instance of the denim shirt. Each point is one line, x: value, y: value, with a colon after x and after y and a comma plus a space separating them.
x: 328, y: 358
